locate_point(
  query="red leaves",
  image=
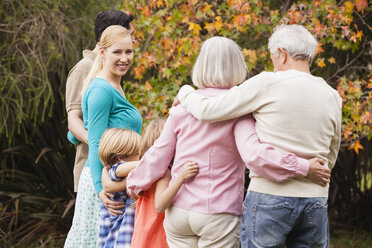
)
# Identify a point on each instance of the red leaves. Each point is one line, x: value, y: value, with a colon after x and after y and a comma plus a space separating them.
x: 360, y: 5
x: 170, y: 34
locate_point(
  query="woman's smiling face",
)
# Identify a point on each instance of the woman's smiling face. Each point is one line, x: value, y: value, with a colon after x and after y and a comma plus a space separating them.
x: 118, y: 57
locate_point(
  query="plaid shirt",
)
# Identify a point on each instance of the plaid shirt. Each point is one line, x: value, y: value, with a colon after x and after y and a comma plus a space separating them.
x: 116, y: 231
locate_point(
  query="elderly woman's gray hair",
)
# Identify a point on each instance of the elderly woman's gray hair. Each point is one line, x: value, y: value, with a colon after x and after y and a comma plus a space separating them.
x: 295, y: 39
x: 220, y: 64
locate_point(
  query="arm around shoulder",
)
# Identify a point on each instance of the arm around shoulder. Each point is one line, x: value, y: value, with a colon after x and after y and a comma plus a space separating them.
x: 237, y: 101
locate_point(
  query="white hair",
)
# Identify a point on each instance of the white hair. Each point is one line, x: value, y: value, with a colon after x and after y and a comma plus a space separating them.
x: 295, y: 39
x: 220, y: 64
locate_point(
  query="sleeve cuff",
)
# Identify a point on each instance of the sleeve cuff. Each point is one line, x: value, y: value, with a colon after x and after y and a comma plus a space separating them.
x: 72, y: 138
x: 303, y: 167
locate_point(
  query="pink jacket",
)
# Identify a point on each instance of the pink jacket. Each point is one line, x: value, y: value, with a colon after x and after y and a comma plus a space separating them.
x: 222, y: 150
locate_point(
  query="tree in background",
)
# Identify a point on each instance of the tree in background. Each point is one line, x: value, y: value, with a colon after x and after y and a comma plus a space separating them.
x: 41, y: 40
x: 170, y: 33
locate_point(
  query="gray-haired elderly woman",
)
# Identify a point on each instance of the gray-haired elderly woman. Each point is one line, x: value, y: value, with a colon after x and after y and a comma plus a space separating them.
x: 295, y: 112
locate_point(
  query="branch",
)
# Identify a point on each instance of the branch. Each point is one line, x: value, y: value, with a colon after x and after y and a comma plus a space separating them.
x: 346, y: 66
x: 147, y: 42
x: 285, y: 7
x: 363, y: 21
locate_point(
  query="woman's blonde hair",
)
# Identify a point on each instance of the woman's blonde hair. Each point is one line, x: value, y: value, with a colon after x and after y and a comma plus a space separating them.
x: 111, y: 35
x: 220, y: 64
x: 150, y: 134
x: 117, y: 144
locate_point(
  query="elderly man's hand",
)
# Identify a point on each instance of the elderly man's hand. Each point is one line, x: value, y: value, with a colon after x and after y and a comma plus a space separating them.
x: 176, y: 101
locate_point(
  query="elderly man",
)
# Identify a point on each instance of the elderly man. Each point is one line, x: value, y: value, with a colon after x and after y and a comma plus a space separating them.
x: 295, y: 112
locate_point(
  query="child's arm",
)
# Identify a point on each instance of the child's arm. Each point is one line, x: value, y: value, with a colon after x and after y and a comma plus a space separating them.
x: 165, y: 194
x: 124, y: 169
x: 117, y: 182
x: 110, y: 186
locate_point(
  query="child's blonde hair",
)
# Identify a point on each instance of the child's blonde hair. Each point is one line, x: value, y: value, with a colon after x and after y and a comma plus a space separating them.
x: 150, y: 134
x: 111, y: 35
x: 117, y: 144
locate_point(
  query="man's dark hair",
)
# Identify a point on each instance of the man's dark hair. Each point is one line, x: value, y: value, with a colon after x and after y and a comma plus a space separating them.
x: 107, y: 18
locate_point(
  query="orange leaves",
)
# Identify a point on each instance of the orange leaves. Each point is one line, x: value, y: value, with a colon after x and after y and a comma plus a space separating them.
x: 218, y: 23
x: 360, y: 5
x: 294, y: 16
x: 320, y: 62
x: 347, y: 132
x: 154, y: 4
x: 148, y: 86
x: 366, y: 117
x: 170, y: 33
x: 357, y: 111
x: 251, y: 54
x: 348, y: 7
x: 209, y: 27
x: 319, y: 29
x: 241, y: 19
x: 192, y: 2
x: 332, y: 60
x: 145, y: 62
x: 206, y: 8
x: 356, y: 146
x: 345, y: 31
x: 236, y: 4
x: 319, y: 48
x: 194, y: 27
x: 146, y: 11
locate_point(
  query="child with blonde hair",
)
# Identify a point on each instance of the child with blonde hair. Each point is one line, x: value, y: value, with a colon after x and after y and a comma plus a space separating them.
x: 117, y: 147
x: 148, y: 228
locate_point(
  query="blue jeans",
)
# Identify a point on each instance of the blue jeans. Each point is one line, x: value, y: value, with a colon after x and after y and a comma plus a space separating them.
x: 276, y: 221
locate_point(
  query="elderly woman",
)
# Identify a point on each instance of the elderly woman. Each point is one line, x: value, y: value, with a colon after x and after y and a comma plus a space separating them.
x: 296, y: 112
x: 206, y: 211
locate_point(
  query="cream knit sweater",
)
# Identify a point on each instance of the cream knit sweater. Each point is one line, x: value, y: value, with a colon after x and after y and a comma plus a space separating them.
x: 294, y: 111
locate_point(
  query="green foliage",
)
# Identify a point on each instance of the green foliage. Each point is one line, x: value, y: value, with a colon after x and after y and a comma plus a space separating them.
x: 39, y: 43
x: 351, y: 239
x: 42, y: 40
x: 170, y: 34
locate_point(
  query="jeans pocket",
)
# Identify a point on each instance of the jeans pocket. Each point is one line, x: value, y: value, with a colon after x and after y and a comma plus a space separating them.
x: 317, y: 217
x: 272, y: 223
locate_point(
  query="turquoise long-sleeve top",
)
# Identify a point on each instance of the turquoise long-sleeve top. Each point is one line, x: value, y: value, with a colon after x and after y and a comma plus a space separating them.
x: 104, y: 107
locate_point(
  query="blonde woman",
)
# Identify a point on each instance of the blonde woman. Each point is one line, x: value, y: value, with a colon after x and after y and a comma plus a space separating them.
x: 206, y: 211
x: 103, y: 106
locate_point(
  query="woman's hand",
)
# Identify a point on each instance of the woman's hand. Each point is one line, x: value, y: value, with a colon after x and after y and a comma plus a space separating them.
x: 318, y: 172
x: 111, y: 206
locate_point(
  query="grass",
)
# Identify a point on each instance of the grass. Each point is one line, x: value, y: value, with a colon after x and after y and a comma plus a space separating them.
x: 347, y: 239
x: 339, y: 239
